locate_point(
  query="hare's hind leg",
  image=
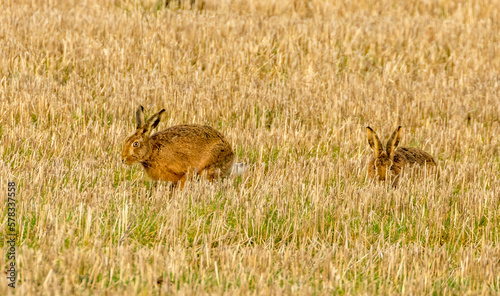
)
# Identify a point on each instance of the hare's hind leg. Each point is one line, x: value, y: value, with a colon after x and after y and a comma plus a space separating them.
x: 221, y: 167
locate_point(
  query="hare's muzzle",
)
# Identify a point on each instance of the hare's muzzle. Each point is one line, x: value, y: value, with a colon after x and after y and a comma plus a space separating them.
x: 126, y: 160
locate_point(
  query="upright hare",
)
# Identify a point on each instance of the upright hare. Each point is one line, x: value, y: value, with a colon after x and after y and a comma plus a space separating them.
x: 388, y: 164
x: 179, y: 151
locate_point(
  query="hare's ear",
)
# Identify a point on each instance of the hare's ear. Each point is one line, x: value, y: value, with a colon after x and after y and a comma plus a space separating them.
x: 139, y: 114
x: 153, y: 122
x: 374, y: 141
x: 393, y: 141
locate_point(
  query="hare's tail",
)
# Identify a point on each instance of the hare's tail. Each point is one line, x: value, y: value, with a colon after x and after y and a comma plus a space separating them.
x: 239, y: 168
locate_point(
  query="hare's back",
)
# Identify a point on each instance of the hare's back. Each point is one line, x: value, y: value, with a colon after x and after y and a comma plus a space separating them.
x: 414, y: 155
x: 189, y: 135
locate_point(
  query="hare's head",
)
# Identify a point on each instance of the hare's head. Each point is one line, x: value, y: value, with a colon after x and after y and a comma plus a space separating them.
x: 137, y: 147
x: 382, y: 165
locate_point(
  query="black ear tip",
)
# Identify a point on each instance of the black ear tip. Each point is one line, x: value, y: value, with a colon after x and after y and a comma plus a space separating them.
x: 162, y: 110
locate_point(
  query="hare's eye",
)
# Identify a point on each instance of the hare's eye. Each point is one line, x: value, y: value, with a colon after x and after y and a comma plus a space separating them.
x: 135, y: 144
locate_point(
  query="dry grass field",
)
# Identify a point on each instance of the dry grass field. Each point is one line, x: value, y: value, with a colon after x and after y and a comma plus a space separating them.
x: 292, y: 85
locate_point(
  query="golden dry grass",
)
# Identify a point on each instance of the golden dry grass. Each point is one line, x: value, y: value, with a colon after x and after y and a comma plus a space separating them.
x: 292, y: 84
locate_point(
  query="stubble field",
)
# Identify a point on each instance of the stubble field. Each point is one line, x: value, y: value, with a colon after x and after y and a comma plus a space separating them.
x: 292, y: 85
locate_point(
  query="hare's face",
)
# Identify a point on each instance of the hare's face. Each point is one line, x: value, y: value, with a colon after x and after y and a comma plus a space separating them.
x: 381, y: 167
x: 136, y: 149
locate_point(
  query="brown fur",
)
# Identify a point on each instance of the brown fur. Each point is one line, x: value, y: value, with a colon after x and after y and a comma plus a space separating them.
x: 178, y: 152
x: 389, y: 164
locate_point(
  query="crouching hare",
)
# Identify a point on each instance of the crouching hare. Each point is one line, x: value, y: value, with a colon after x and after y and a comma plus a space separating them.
x: 389, y: 164
x: 179, y: 151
